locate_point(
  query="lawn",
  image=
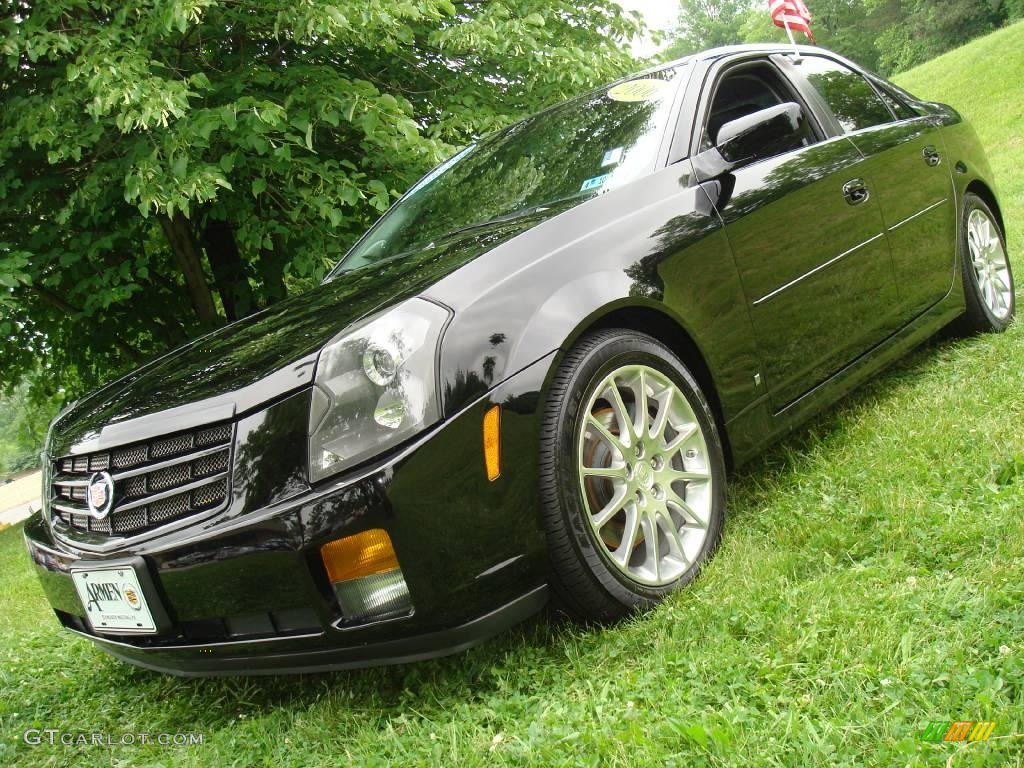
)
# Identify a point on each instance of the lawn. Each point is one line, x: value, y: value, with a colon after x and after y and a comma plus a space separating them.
x: 871, y: 579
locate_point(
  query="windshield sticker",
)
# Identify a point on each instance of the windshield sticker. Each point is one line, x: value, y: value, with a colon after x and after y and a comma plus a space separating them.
x: 612, y: 157
x: 595, y: 183
x: 639, y: 90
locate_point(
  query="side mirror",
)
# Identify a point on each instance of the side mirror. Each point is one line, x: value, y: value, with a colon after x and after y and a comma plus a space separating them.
x: 762, y: 134
x: 753, y: 137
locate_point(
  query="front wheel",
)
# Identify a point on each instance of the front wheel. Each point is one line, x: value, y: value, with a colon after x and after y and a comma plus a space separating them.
x: 632, y: 476
x: 987, y: 276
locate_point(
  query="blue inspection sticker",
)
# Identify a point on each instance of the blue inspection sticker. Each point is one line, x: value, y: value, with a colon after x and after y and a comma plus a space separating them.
x: 595, y: 183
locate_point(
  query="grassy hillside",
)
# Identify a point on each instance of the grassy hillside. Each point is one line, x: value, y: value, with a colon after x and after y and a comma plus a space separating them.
x: 985, y: 81
x: 871, y: 579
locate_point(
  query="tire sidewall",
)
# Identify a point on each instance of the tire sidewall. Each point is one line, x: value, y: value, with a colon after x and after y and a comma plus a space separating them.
x: 629, y: 349
x: 977, y: 308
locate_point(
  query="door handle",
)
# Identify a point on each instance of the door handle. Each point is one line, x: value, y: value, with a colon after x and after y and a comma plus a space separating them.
x: 856, y: 192
x: 931, y: 155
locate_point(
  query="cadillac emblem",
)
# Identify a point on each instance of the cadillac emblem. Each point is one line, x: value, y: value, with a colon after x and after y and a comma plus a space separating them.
x: 132, y: 597
x: 100, y: 495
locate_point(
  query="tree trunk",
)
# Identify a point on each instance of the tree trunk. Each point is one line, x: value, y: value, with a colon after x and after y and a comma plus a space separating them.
x: 186, y: 252
x: 272, y: 264
x: 228, y: 269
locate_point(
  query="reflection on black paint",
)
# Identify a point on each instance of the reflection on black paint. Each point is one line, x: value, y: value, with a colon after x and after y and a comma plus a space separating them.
x: 270, y: 462
x: 545, y: 159
x: 246, y: 353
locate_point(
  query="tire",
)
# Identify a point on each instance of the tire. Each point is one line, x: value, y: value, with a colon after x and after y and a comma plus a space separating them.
x: 987, y: 274
x: 653, y: 481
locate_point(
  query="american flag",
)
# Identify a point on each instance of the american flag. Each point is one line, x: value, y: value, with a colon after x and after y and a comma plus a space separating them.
x: 792, y: 14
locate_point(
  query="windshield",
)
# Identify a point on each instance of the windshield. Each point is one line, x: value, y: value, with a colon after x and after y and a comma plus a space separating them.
x: 571, y: 152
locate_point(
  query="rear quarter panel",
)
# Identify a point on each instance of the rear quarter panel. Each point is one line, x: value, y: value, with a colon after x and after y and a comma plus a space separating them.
x: 967, y: 157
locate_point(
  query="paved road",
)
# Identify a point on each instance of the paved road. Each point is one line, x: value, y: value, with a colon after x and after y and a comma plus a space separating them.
x: 20, y: 499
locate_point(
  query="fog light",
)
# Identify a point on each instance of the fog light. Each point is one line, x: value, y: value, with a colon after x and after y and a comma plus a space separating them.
x: 364, y: 572
x: 371, y: 597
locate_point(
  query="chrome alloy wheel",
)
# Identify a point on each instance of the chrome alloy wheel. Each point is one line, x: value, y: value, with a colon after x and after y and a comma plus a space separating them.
x: 645, y: 474
x: 990, y: 265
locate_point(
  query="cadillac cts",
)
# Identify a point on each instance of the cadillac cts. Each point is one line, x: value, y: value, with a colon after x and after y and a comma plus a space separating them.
x: 529, y: 379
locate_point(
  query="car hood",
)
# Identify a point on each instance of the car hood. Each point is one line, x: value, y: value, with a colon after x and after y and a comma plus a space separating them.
x: 248, y: 363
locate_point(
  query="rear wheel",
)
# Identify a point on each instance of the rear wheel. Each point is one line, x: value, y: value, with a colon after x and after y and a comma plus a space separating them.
x: 987, y: 276
x: 632, y: 476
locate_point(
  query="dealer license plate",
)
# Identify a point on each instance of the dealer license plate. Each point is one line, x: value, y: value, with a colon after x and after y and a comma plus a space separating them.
x: 113, y: 600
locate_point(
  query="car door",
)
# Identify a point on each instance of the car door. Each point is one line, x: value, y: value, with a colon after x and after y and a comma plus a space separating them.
x: 808, y: 240
x: 909, y: 177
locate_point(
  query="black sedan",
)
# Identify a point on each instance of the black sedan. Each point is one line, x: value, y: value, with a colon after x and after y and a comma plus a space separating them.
x: 529, y: 380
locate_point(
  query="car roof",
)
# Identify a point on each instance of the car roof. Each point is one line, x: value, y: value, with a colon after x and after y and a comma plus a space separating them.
x: 718, y: 53
x: 730, y: 50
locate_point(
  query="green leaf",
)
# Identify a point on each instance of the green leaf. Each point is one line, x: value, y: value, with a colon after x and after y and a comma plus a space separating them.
x: 258, y: 187
x: 381, y: 199
x: 132, y: 187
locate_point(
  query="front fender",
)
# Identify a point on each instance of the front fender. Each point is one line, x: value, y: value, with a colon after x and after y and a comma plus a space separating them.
x: 653, y: 245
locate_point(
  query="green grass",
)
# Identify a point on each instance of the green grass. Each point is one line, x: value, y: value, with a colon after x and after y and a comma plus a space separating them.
x: 871, y: 579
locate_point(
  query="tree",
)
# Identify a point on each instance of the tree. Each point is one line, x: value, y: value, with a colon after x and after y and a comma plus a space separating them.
x: 884, y: 35
x: 25, y: 419
x: 170, y: 165
x: 924, y: 29
x: 705, y: 24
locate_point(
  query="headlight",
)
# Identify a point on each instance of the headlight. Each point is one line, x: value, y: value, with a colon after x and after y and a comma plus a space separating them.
x: 375, y: 386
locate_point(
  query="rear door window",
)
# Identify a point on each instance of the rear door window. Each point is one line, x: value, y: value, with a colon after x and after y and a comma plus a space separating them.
x: 899, y: 107
x: 851, y: 98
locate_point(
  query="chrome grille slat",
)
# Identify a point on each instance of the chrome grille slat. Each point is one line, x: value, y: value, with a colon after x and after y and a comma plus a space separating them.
x: 162, y: 480
x: 68, y: 509
x: 118, y: 476
x: 166, y: 494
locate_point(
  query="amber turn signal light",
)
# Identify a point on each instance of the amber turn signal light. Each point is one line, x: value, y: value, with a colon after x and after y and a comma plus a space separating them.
x: 353, y: 557
x: 366, y: 578
x: 492, y: 442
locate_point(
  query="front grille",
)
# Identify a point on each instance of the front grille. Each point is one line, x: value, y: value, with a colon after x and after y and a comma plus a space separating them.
x: 155, y: 482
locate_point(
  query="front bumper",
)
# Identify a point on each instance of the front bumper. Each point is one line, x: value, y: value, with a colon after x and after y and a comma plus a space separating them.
x: 248, y: 594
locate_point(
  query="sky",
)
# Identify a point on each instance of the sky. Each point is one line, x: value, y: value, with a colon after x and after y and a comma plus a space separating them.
x: 659, y: 14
